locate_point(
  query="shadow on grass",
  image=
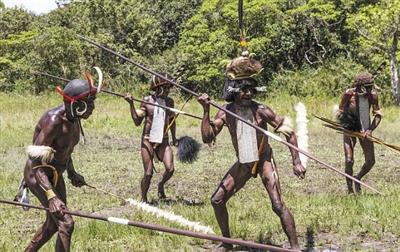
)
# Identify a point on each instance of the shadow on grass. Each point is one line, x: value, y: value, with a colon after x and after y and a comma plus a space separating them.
x: 170, y: 202
x: 242, y: 248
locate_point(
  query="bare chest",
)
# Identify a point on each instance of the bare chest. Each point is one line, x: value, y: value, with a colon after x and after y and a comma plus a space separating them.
x: 66, y: 141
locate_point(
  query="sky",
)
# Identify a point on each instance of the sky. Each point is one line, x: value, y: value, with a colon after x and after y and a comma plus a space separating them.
x: 36, y: 6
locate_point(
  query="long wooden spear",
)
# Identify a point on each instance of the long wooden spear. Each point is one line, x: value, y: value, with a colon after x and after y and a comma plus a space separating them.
x: 157, y: 227
x: 267, y: 133
x: 339, y: 128
x: 177, y: 111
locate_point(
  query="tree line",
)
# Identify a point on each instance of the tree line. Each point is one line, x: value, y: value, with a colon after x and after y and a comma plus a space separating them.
x: 307, y: 47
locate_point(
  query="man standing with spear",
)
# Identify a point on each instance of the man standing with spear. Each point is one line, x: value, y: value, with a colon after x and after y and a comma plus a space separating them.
x: 354, y: 115
x: 254, y: 154
x: 155, y: 140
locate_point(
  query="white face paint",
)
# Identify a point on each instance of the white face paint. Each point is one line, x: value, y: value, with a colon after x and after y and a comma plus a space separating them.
x: 245, y: 96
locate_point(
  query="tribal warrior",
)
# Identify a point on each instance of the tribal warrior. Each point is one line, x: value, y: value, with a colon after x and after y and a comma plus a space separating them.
x: 254, y: 154
x: 155, y: 139
x: 54, y: 139
x: 354, y: 115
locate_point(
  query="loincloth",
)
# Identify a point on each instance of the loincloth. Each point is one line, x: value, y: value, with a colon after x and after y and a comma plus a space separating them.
x: 267, y: 155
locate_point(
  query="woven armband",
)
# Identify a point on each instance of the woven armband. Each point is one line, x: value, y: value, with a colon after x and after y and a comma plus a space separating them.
x: 377, y: 113
x: 140, y: 112
x: 50, y: 194
x: 285, y: 127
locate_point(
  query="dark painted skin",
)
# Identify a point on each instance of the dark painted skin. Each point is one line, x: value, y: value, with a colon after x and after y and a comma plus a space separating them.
x: 239, y: 174
x: 163, y: 151
x: 58, y: 129
x: 349, y: 102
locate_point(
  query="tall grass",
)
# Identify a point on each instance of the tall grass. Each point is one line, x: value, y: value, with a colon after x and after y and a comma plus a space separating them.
x: 326, y: 217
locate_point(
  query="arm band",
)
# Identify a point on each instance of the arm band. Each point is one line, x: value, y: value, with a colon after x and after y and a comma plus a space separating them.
x: 285, y: 127
x: 50, y: 194
x: 140, y: 112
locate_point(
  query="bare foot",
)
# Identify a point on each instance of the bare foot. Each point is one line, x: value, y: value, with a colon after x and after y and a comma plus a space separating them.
x: 296, y: 248
x: 357, y: 187
x: 144, y: 200
x: 161, y: 193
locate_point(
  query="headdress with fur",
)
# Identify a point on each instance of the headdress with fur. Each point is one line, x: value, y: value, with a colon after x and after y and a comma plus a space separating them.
x: 364, y: 79
x: 156, y: 81
x: 241, y: 72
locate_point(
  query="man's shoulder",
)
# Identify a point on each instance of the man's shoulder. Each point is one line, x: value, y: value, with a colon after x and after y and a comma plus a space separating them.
x: 147, y: 98
x: 375, y: 93
x: 227, y: 106
x: 260, y: 106
x: 350, y: 91
x: 54, y: 116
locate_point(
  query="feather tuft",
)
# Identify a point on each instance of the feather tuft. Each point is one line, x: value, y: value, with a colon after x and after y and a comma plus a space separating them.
x: 302, y: 131
x: 44, y: 153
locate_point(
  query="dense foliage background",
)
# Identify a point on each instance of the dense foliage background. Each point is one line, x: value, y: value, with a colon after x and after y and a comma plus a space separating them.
x: 308, y: 48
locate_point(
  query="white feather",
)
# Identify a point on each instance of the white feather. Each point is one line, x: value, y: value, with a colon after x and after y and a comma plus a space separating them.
x: 335, y: 110
x: 302, y: 131
x: 170, y: 216
x: 45, y: 153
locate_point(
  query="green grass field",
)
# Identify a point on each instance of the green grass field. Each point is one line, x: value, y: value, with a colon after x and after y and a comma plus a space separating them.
x: 326, y: 217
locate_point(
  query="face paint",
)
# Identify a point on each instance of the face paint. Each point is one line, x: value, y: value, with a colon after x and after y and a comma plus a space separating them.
x: 245, y: 96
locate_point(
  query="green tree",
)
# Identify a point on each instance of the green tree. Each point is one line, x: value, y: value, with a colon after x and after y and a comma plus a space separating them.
x: 283, y: 34
x: 319, y: 31
x: 14, y: 21
x: 16, y: 35
x: 378, y: 28
x: 140, y: 30
x: 13, y: 63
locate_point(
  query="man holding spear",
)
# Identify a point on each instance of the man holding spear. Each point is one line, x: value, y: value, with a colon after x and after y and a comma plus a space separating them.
x: 254, y: 154
x: 354, y: 115
x: 155, y: 133
x: 54, y: 139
